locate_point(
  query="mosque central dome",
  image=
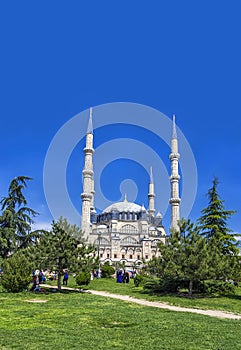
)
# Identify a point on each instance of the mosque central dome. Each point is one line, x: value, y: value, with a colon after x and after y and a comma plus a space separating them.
x: 123, y: 206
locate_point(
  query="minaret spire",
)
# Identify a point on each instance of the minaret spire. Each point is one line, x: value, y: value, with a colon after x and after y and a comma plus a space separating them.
x: 151, y: 196
x: 174, y: 179
x: 90, y: 124
x: 174, y: 130
x: 88, y: 180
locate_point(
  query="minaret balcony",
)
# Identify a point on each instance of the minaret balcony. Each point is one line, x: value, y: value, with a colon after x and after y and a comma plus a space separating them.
x: 174, y: 156
x: 174, y: 178
x: 174, y: 200
x: 86, y: 196
x: 88, y: 150
x: 88, y: 172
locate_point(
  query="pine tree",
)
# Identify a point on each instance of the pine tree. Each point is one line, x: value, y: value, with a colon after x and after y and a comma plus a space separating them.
x: 63, y: 248
x: 16, y: 218
x: 194, y: 255
x: 17, y: 273
x: 213, y: 223
x: 184, y: 257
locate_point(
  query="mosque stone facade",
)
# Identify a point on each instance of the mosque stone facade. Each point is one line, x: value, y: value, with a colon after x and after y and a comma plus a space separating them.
x: 125, y: 231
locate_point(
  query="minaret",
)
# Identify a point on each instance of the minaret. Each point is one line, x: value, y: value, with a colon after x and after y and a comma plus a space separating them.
x: 174, y: 179
x: 88, y: 182
x: 151, y: 196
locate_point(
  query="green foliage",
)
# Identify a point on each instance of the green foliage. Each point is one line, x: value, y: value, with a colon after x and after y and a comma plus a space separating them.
x: 106, y: 270
x: 183, y: 258
x: 138, y: 280
x: 198, y: 253
x: 218, y: 287
x: 213, y: 223
x: 16, y: 219
x: 16, y: 273
x: 83, y: 278
x: 63, y: 248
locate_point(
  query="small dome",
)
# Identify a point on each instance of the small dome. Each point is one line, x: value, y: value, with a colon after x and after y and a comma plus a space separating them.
x: 124, y: 206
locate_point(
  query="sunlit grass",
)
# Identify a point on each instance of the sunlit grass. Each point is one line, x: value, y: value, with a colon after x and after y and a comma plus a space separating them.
x: 231, y: 303
x: 84, y: 321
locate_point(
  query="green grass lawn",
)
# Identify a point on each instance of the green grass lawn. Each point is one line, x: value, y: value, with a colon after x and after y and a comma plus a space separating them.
x: 73, y: 320
x: 231, y: 303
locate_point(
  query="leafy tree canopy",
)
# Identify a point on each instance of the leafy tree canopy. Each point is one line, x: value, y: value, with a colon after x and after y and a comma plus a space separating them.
x: 63, y: 248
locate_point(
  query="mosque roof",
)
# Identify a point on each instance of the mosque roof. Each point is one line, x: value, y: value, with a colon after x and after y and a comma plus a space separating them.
x: 124, y: 206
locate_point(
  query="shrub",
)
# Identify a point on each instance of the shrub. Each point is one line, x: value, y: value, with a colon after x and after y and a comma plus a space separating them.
x: 16, y: 275
x: 83, y: 278
x: 138, y: 280
x: 218, y: 287
x: 107, y: 271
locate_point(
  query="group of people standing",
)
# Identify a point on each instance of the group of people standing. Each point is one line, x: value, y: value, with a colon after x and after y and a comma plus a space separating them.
x: 122, y: 276
x: 38, y: 277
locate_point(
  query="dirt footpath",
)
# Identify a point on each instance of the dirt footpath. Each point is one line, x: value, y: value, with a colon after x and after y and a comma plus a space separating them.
x: 211, y: 313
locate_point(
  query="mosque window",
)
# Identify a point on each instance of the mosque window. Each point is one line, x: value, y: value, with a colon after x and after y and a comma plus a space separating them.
x: 115, y: 256
x: 103, y: 242
x: 128, y: 229
x: 131, y: 257
x: 123, y: 256
x: 129, y: 241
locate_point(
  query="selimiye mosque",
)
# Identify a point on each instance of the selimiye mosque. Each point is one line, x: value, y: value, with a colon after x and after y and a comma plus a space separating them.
x: 127, y: 232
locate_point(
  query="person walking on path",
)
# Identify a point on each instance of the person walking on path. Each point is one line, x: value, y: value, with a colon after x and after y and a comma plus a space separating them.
x: 65, y: 280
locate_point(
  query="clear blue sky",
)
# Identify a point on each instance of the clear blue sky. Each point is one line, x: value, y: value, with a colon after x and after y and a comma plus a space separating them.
x: 59, y: 58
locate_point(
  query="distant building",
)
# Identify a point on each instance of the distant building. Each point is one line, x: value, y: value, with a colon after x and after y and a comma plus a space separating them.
x: 125, y: 231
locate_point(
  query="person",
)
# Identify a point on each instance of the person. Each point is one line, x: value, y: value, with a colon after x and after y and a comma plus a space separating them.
x: 66, y: 277
x: 126, y: 277
x: 119, y: 276
x: 34, y: 282
x: 40, y: 276
x: 37, y: 288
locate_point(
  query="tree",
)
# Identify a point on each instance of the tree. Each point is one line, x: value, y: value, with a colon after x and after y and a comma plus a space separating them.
x: 183, y: 259
x: 62, y: 249
x: 16, y: 275
x: 16, y: 219
x: 107, y: 270
x: 213, y: 223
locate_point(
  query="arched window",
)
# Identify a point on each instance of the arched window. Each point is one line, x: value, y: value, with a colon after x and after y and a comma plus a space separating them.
x: 128, y: 229
x: 129, y: 241
x: 103, y: 242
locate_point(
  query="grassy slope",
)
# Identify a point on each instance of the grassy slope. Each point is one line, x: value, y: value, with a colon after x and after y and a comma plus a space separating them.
x: 83, y: 321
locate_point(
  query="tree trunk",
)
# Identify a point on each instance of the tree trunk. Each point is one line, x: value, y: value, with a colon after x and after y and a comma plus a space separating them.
x: 190, y: 288
x: 59, y: 281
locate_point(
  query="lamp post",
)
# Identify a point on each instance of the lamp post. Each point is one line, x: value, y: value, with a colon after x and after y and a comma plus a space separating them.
x: 98, y: 272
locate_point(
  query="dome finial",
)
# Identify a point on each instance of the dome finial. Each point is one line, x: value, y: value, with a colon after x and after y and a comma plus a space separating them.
x: 125, y: 198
